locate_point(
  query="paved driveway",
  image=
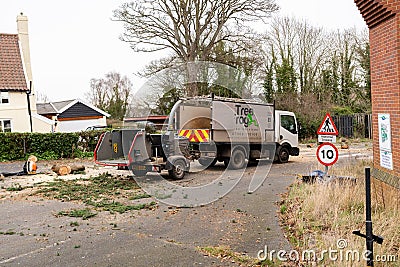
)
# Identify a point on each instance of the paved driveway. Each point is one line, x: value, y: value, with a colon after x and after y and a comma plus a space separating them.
x: 33, y: 236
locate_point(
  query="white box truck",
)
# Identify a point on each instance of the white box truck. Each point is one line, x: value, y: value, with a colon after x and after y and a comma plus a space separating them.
x: 207, y: 129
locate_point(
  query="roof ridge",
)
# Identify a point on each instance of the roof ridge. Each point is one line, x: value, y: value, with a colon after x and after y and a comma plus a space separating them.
x: 51, y: 104
x: 9, y: 34
x: 69, y: 100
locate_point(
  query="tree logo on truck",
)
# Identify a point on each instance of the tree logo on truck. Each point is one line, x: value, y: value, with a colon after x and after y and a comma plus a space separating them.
x: 251, y: 120
x: 244, y: 115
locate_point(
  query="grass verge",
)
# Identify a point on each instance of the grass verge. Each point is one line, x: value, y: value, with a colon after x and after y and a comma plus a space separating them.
x: 317, y: 216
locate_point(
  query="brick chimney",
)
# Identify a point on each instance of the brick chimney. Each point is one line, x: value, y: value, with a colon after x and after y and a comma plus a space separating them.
x: 22, y: 27
x: 23, y: 36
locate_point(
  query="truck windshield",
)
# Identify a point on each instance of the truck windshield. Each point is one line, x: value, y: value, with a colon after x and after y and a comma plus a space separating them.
x: 289, y: 123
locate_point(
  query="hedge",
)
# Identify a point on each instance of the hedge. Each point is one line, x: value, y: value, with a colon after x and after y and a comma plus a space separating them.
x: 18, y: 146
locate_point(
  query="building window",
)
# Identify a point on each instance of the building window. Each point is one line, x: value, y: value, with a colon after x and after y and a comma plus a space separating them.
x: 4, y: 98
x: 5, y: 126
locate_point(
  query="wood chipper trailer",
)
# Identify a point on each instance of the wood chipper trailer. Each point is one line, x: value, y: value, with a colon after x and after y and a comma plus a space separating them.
x: 143, y: 152
x: 207, y: 129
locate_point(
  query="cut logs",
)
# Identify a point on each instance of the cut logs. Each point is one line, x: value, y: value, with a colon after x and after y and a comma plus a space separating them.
x: 64, y: 169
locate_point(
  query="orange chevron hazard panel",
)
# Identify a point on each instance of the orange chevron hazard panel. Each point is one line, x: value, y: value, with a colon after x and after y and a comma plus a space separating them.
x: 196, y: 135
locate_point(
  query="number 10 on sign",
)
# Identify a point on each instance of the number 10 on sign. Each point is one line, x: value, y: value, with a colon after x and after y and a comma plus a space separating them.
x: 327, y: 154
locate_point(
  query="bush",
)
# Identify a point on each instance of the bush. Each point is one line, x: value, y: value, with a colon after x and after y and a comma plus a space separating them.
x: 342, y: 111
x: 62, y: 145
x: 12, y: 146
x: 47, y: 146
x: 308, y: 108
x: 88, y: 139
x: 309, y: 127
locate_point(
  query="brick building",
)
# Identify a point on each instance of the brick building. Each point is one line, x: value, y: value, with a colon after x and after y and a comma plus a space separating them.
x: 383, y: 20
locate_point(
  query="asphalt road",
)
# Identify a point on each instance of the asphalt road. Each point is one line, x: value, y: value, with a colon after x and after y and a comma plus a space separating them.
x: 166, y: 236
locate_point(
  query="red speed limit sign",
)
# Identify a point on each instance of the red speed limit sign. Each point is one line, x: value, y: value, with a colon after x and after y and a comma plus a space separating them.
x: 327, y: 154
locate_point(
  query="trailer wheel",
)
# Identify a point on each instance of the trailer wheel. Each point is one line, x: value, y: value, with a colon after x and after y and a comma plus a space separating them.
x: 283, y: 154
x: 207, y: 162
x: 237, y: 160
x: 139, y: 172
x: 178, y: 170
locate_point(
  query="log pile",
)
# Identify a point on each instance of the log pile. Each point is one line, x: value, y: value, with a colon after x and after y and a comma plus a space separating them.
x: 65, y: 169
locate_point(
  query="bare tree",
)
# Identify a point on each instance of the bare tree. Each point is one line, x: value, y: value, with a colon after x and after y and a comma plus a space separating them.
x: 295, y: 46
x: 112, y: 94
x: 98, y: 94
x: 311, y: 52
x: 41, y: 97
x: 190, y: 28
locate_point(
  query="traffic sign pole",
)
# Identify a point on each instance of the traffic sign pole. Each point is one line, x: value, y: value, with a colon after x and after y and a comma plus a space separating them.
x: 326, y: 170
x: 327, y: 153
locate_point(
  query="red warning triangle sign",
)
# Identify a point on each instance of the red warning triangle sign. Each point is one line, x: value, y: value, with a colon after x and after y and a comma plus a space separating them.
x: 327, y: 126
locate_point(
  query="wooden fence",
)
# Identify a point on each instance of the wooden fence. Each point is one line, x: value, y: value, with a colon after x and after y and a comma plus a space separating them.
x: 356, y: 125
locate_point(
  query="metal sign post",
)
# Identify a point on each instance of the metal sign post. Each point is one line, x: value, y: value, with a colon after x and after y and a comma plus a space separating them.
x: 370, y: 238
x: 327, y: 153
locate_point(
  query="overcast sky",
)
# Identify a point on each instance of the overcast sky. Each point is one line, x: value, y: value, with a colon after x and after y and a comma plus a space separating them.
x: 74, y: 41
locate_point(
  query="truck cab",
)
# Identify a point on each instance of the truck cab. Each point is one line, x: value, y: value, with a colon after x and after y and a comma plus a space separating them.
x: 286, y: 134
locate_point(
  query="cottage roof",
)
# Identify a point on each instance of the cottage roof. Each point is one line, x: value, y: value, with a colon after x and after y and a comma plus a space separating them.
x: 12, y: 74
x: 61, y: 106
x: 45, y: 108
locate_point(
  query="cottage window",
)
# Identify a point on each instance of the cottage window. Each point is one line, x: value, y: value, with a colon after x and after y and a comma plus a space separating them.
x: 4, y: 98
x: 5, y: 126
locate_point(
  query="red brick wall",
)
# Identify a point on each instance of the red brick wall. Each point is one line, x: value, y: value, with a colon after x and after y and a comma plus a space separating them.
x: 383, y: 20
x: 385, y: 86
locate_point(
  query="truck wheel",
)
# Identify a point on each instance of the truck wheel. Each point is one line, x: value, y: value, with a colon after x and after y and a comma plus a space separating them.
x: 139, y: 172
x: 283, y: 154
x: 237, y: 160
x: 178, y: 170
x: 207, y: 162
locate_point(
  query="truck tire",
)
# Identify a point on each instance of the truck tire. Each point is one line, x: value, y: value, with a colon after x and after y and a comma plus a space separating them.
x: 207, y: 162
x: 237, y: 160
x: 178, y: 170
x: 282, y: 154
